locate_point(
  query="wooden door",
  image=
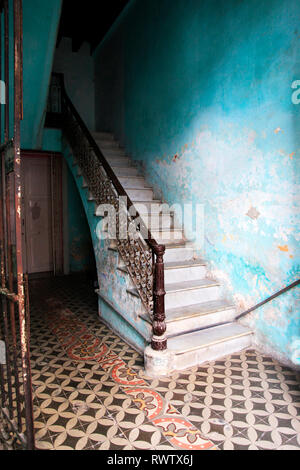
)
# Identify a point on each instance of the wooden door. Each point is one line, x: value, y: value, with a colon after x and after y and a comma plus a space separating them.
x: 37, y: 223
x: 42, y: 222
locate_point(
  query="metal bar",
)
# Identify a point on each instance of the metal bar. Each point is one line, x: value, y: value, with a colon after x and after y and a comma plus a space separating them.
x: 5, y: 146
x: 14, y: 428
x: 1, y: 70
x: 252, y: 309
x: 2, y: 241
x: 25, y: 354
x: 12, y: 306
x: 282, y: 291
x: 7, y: 349
x: 6, y: 69
x: 2, y: 276
x: 21, y: 61
x: 3, y: 283
x: 9, y: 295
x: 2, y: 390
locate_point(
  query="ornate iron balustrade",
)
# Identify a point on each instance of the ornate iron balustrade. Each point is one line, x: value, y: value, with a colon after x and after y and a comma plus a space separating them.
x: 142, y: 255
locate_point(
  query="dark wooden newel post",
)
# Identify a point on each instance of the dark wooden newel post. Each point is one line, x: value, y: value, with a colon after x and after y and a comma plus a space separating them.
x: 159, y: 341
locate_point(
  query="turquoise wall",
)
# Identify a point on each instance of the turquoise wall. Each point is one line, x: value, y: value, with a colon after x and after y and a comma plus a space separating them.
x: 78, y: 237
x: 81, y: 252
x: 199, y: 91
x: 40, y: 26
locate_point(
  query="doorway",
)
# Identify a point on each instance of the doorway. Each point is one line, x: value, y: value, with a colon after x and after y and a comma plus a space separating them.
x: 42, y: 233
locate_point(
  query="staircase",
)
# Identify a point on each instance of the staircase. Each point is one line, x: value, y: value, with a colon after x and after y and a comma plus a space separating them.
x: 200, y: 323
x: 154, y: 289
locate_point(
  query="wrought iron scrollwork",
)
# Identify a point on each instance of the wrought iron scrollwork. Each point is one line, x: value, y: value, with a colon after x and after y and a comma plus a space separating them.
x: 135, y: 252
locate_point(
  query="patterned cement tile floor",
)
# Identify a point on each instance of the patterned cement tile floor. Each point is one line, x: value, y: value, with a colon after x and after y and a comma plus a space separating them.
x: 91, y: 393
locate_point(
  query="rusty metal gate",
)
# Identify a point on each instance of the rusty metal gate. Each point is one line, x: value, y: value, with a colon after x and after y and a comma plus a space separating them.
x: 16, y: 410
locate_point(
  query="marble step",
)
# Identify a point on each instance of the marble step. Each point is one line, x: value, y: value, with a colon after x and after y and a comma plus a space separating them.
x: 208, y: 345
x: 199, y: 316
x: 114, y: 153
x: 159, y: 221
x: 178, y: 253
x: 125, y: 171
x: 172, y: 242
x: 185, y: 270
x: 168, y: 234
x: 136, y: 194
x: 133, y: 182
x: 107, y: 144
x: 118, y: 160
x: 149, y: 207
x: 103, y: 135
x: 185, y: 293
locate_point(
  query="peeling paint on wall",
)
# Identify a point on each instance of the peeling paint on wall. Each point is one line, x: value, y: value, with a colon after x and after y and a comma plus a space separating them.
x: 204, y: 107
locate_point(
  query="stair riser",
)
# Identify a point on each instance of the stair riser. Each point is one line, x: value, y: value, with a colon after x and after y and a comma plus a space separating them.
x: 118, y: 161
x: 149, y: 207
x: 140, y: 194
x: 178, y: 254
x: 202, y: 321
x: 172, y: 234
x: 186, y: 274
x: 211, y: 353
x: 114, y: 153
x: 133, y: 182
x: 103, y: 136
x: 155, y: 221
x: 108, y: 144
x: 126, y: 171
x: 191, y: 296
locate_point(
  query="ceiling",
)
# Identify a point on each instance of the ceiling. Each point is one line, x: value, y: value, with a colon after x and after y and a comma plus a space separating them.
x: 88, y: 21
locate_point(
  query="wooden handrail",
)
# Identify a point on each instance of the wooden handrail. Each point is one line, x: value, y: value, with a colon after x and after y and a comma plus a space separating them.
x: 159, y: 341
x: 109, y: 171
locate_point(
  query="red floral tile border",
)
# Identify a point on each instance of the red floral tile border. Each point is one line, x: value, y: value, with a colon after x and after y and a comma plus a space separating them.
x: 83, y: 346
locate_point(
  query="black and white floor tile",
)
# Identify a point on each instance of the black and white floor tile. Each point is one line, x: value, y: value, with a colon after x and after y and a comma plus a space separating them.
x: 91, y: 393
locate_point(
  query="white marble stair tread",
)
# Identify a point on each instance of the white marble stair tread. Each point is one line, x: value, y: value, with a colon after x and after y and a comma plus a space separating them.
x: 125, y: 171
x: 114, y: 153
x: 184, y: 264
x: 190, y: 285
x: 183, y: 286
x: 107, y: 144
x: 191, y: 311
x: 207, y: 337
x: 196, y: 310
x: 103, y: 136
x: 133, y: 182
x: 175, y: 243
